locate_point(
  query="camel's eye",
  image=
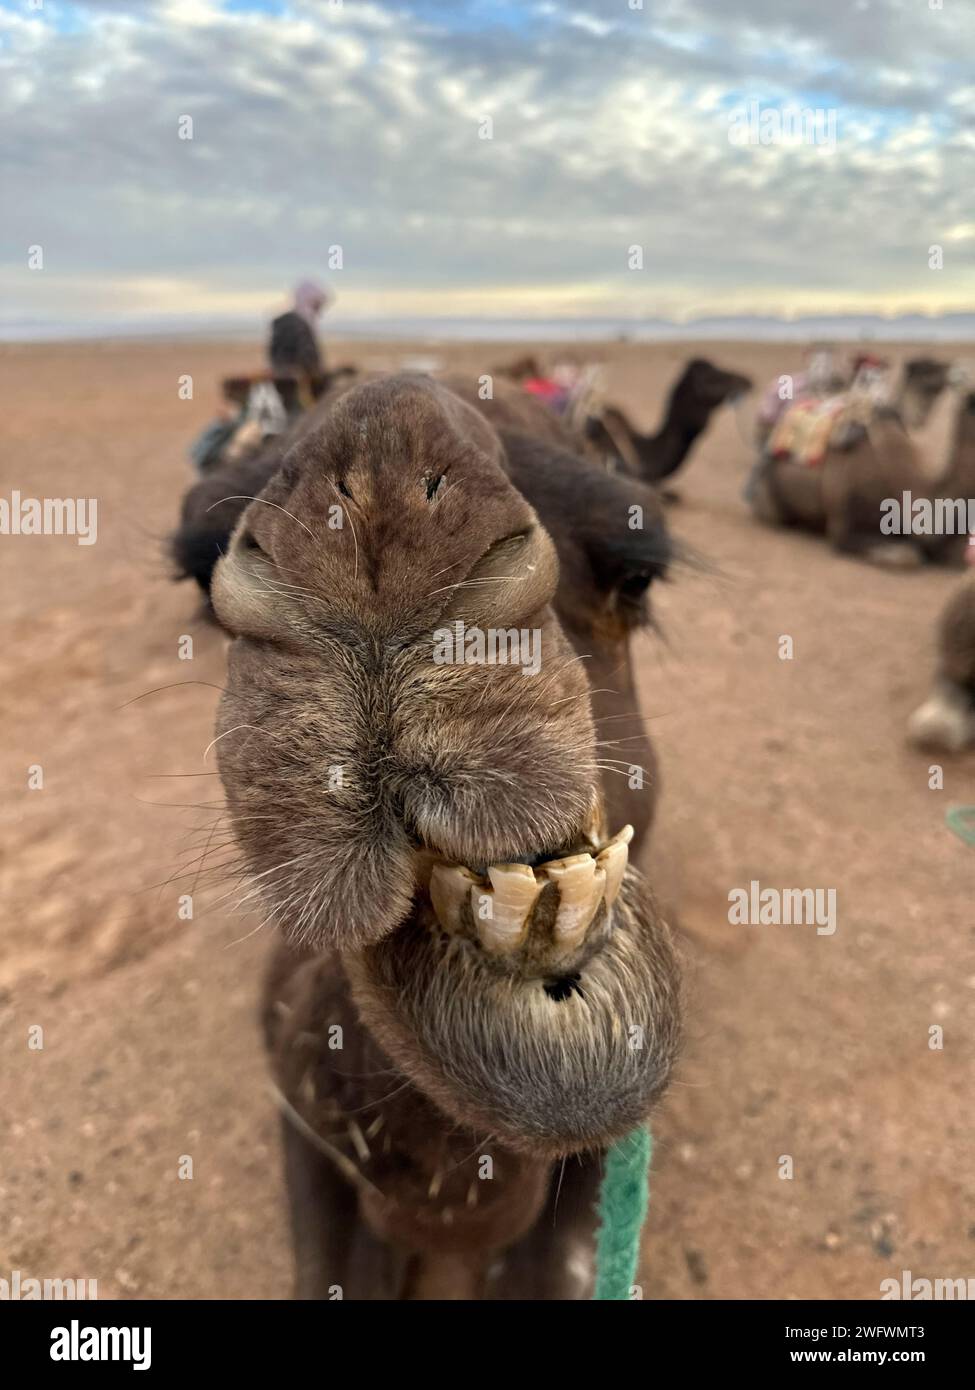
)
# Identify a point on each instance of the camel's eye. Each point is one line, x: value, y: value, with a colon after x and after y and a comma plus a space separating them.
x: 635, y: 586
x: 433, y: 486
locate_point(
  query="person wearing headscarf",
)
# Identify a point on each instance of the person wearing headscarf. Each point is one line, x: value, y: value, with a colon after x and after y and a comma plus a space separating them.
x: 293, y: 348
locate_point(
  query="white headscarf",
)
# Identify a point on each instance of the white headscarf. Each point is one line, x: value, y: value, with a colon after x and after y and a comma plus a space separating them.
x: 310, y: 300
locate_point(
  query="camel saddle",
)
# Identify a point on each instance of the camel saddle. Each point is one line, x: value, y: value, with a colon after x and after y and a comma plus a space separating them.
x: 815, y: 424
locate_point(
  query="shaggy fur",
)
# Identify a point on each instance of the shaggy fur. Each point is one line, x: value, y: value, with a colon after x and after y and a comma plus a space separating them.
x: 548, y: 1073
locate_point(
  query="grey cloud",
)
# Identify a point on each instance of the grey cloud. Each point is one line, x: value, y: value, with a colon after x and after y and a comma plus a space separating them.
x: 363, y: 132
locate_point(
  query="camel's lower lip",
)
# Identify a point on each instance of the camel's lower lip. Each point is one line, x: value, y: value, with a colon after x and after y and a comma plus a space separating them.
x: 542, y: 1059
x: 499, y: 902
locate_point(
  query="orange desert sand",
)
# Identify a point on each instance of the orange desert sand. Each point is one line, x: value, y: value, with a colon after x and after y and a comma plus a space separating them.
x: 792, y: 773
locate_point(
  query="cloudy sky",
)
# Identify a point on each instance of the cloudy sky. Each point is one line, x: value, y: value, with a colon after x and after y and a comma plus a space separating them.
x: 361, y: 125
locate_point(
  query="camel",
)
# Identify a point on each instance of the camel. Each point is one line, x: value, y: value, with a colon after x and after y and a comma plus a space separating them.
x: 855, y: 494
x: 913, y: 396
x: 475, y: 991
x: 946, y: 720
x: 255, y: 409
x: 698, y: 392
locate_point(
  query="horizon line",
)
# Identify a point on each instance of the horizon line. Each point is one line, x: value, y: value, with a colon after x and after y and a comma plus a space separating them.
x: 613, y: 327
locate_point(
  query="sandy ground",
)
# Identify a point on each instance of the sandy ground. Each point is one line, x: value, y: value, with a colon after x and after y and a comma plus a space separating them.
x: 794, y: 773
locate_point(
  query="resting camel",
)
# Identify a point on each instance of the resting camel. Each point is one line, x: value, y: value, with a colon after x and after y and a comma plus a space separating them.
x: 947, y: 717
x: 848, y: 495
x: 698, y: 392
x: 474, y: 992
x: 914, y: 396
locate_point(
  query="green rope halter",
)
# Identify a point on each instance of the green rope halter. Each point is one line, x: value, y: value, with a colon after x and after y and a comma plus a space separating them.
x: 623, y: 1199
x: 961, y: 819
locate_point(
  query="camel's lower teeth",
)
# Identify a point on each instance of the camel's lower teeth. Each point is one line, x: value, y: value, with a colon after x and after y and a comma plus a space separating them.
x: 582, y: 887
x: 501, y: 908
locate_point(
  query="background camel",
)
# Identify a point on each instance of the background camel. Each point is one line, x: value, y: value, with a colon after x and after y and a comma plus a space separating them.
x: 913, y: 395
x: 947, y: 717
x: 381, y: 801
x: 844, y: 495
x: 698, y: 392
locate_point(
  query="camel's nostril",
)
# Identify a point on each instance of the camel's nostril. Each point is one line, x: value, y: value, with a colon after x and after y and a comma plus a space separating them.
x: 433, y: 486
x: 251, y: 543
x: 563, y: 988
x: 344, y: 490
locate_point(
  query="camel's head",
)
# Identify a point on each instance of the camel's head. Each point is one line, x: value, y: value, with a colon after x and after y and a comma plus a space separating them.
x: 702, y: 387
x: 408, y: 753
x: 399, y: 685
x: 924, y: 380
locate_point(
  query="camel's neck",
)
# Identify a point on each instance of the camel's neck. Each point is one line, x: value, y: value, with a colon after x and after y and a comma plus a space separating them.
x: 935, y: 428
x: 663, y: 453
x: 938, y: 461
x: 956, y: 478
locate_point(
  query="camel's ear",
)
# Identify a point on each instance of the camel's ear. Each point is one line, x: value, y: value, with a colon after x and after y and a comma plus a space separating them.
x: 512, y: 580
x: 209, y: 513
x: 625, y: 563
x: 628, y: 557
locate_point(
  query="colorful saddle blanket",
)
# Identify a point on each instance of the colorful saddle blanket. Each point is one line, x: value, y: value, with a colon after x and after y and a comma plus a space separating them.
x: 806, y: 430
x: 548, y: 390
x: 815, y: 423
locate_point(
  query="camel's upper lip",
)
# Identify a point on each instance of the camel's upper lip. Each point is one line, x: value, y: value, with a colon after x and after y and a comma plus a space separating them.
x: 537, y: 863
x: 537, y: 859
x: 590, y: 838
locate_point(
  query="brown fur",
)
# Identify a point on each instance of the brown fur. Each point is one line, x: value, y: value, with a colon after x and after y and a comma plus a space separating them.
x: 331, y: 668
